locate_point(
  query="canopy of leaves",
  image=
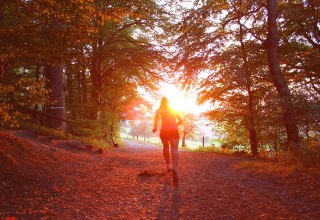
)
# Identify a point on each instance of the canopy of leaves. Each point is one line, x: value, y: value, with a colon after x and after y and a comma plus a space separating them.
x: 108, y: 50
x: 221, y: 50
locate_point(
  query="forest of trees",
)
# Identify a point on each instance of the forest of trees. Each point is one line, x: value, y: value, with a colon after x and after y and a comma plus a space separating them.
x: 256, y: 62
x: 141, y: 128
x: 89, y: 55
x: 260, y: 61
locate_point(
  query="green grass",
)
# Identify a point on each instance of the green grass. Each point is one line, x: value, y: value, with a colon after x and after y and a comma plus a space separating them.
x: 61, y: 135
x: 152, y: 140
x: 192, y: 145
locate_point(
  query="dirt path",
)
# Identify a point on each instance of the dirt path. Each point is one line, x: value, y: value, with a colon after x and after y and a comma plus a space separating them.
x: 108, y: 186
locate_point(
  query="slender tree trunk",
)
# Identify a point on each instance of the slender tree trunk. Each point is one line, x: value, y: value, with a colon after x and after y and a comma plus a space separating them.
x: 278, y: 79
x: 252, y: 129
x: 84, y: 97
x: 70, y: 92
x: 183, y: 140
x: 111, y: 133
x: 36, y: 106
x: 79, y: 94
x: 250, y: 106
x: 307, y: 129
x: 55, y: 77
x: 96, y: 82
x: 37, y: 80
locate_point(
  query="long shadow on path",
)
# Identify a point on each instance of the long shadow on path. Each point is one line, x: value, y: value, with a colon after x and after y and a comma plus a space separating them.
x: 170, y: 201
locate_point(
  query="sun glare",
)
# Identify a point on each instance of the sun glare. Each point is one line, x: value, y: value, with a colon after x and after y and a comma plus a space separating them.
x: 179, y: 100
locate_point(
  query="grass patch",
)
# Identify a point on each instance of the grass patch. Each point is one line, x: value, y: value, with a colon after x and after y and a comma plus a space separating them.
x: 92, y: 141
x: 141, y: 141
x: 218, y: 150
x: 284, y: 163
x: 305, y: 157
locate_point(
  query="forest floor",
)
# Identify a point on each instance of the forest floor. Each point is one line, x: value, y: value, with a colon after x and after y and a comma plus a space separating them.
x: 47, y: 180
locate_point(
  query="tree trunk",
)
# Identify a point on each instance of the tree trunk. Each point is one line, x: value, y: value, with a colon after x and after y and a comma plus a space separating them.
x: 84, y: 97
x: 71, y: 94
x: 96, y: 81
x: 183, y: 140
x: 79, y: 94
x: 251, y: 124
x: 307, y: 128
x: 36, y: 106
x: 37, y: 74
x: 252, y: 129
x: 55, y: 77
x: 278, y: 79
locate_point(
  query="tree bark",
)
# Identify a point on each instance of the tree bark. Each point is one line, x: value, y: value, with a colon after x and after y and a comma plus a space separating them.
x: 79, y: 94
x: 37, y: 74
x: 71, y: 95
x: 251, y: 124
x: 97, y: 81
x: 55, y: 76
x: 183, y: 140
x: 278, y: 80
x: 84, y: 99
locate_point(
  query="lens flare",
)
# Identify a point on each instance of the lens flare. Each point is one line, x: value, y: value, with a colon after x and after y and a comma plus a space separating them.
x: 180, y: 100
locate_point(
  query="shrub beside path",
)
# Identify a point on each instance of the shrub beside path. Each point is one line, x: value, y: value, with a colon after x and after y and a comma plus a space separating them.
x: 58, y: 183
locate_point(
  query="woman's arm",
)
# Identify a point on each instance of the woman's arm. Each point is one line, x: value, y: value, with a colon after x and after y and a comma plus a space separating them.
x: 155, y: 123
x: 179, y: 119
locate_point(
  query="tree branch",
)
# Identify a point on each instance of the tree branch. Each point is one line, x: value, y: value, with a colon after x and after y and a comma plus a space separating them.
x: 309, y: 39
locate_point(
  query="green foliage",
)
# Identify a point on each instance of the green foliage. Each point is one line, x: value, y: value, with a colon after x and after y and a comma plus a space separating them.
x: 89, y: 140
x: 218, y: 150
x: 92, y: 141
x: 44, y: 130
x: 87, y: 127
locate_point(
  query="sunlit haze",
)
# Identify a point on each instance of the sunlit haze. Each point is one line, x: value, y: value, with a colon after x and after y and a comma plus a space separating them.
x: 180, y: 100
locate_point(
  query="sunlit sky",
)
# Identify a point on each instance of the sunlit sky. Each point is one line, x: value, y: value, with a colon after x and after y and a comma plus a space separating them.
x: 180, y: 100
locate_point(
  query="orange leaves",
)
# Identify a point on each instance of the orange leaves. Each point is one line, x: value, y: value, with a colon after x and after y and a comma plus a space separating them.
x: 115, y: 15
x: 10, y: 88
x: 10, y: 218
x: 7, y: 117
x: 25, y: 92
x: 269, y: 167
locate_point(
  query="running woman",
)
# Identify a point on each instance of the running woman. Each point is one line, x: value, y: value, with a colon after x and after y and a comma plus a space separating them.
x: 169, y: 134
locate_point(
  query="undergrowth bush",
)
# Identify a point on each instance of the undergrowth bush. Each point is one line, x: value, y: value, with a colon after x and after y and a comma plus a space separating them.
x: 218, y: 150
x: 89, y: 140
x: 307, y: 156
x: 25, y: 92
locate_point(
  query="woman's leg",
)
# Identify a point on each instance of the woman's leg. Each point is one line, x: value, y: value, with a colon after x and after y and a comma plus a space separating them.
x: 166, y: 152
x: 174, y: 143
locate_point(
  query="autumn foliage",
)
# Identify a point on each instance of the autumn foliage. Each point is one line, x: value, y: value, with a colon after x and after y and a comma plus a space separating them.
x: 256, y: 62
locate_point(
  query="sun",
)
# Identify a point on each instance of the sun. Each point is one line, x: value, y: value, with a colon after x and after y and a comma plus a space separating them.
x: 180, y: 101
